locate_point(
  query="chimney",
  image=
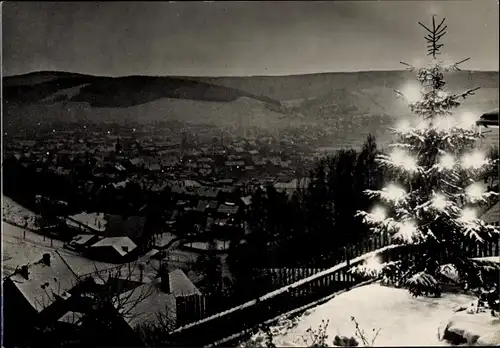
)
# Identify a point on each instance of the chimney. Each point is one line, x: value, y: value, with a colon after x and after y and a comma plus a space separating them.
x: 46, y: 259
x: 165, y: 281
x: 25, y: 272
x: 141, y: 272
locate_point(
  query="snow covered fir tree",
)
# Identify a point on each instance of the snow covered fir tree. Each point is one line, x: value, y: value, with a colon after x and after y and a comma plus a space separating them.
x: 430, y: 206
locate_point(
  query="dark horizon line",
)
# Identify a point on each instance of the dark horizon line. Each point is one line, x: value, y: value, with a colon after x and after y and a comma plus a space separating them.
x: 222, y: 76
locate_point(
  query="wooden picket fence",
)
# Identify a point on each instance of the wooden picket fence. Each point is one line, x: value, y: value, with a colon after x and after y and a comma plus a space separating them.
x: 297, y: 287
x: 320, y: 284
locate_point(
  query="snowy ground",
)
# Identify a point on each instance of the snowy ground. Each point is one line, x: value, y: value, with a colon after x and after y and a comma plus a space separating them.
x: 95, y: 221
x: 17, y: 250
x: 12, y: 211
x: 402, y: 319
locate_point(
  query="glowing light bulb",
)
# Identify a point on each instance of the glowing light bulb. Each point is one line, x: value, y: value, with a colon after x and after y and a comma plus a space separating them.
x: 468, y: 215
x: 378, y: 214
x: 404, y: 160
x: 422, y: 125
x: 447, y: 162
x: 444, y: 124
x: 442, y: 94
x: 439, y: 202
x: 403, y: 126
x: 412, y: 93
x: 475, y: 191
x: 467, y: 120
x: 373, y: 264
x: 407, y: 231
x: 474, y: 160
x: 394, y: 192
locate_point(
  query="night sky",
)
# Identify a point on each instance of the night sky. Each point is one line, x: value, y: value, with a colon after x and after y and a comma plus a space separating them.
x: 240, y: 38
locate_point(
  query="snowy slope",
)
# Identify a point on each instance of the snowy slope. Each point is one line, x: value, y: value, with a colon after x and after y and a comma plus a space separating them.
x: 13, y: 212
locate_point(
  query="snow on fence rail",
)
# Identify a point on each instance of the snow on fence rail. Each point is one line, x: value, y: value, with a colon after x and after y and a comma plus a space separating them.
x: 299, y: 293
x: 274, y: 303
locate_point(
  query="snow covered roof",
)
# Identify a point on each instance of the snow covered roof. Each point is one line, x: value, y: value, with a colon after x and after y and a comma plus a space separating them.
x: 122, y: 245
x: 492, y: 215
x: 82, y: 239
x: 144, y: 303
x: 228, y: 209
x: 292, y: 185
x: 489, y: 118
x: 72, y: 318
x: 45, y: 281
x: 247, y: 200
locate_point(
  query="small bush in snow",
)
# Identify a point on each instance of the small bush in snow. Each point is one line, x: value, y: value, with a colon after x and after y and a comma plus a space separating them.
x: 318, y: 337
x: 361, y: 334
x: 423, y: 283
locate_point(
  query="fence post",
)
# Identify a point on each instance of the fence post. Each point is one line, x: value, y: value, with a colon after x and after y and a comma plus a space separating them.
x: 348, y: 263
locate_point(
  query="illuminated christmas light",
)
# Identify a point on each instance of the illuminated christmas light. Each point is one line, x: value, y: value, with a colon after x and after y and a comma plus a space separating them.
x: 474, y: 160
x: 404, y: 160
x: 407, y: 231
x: 378, y: 214
x: 467, y: 120
x: 394, y: 192
x: 403, y: 126
x: 439, y: 202
x: 475, y: 191
x: 412, y: 93
x: 422, y: 125
x: 468, y: 215
x: 442, y: 94
x: 444, y: 124
x: 373, y: 264
x: 447, y: 162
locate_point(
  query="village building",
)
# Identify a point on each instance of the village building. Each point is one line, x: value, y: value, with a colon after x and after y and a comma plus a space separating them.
x: 167, y: 302
x: 112, y: 249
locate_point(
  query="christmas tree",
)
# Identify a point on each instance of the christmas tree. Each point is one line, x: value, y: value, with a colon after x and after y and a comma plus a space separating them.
x: 430, y: 207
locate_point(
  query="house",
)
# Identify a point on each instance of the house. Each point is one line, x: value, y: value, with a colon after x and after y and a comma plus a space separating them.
x: 235, y: 164
x: 205, y: 206
x: 207, y: 192
x: 82, y: 241
x: 36, y: 294
x: 228, y: 209
x: 247, y: 201
x: 170, y: 301
x: 153, y: 167
x: 492, y: 215
x: 489, y: 119
x: 290, y: 187
x: 137, y: 162
x: 112, y: 249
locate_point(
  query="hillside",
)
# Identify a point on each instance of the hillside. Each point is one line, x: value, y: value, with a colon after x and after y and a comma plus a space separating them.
x: 346, y: 105
x: 312, y: 85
